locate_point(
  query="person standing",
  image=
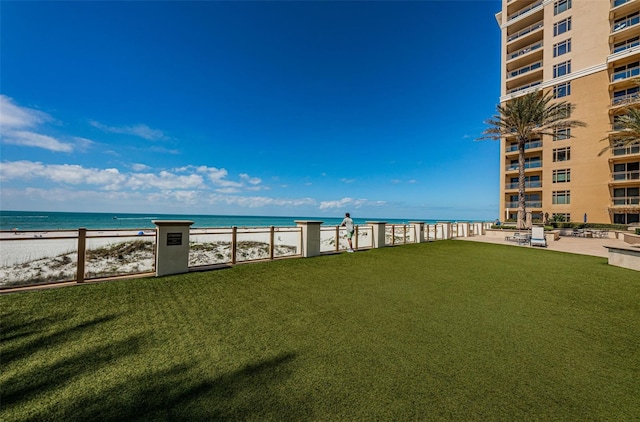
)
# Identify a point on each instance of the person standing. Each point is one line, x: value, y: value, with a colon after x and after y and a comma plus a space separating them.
x: 347, y: 223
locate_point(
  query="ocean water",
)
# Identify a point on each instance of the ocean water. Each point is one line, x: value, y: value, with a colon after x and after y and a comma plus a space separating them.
x: 40, y: 220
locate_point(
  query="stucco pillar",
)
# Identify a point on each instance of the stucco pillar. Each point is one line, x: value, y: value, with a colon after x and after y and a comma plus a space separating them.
x: 378, y: 227
x: 446, y: 230
x: 172, y: 246
x: 310, y: 237
x: 418, y: 231
x: 463, y: 229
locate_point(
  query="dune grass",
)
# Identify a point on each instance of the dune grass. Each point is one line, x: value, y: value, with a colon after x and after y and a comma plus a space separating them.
x: 449, y: 330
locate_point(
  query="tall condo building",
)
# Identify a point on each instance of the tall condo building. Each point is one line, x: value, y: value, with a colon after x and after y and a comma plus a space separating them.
x: 587, y: 52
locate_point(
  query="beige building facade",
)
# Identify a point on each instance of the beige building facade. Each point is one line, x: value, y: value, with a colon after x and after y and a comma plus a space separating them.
x: 587, y: 52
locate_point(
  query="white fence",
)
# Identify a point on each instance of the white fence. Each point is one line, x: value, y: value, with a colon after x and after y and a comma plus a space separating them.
x: 42, y: 257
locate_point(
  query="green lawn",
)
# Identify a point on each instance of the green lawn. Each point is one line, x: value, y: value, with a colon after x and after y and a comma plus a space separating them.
x: 449, y: 330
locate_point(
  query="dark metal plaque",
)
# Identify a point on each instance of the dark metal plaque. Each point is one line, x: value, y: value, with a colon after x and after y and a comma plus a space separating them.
x: 174, y: 239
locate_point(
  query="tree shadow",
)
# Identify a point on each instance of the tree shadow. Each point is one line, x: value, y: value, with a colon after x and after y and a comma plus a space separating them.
x: 176, y: 394
x: 17, y: 329
x: 181, y: 392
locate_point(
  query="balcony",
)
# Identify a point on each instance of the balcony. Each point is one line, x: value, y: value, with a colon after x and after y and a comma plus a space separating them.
x: 626, y: 45
x: 525, y: 31
x: 622, y: 7
x: 527, y: 185
x: 529, y: 165
x: 625, y: 99
x: 625, y: 74
x: 524, y: 10
x: 628, y: 150
x: 523, y: 87
x: 622, y: 176
x: 527, y: 204
x: 528, y: 49
x: 622, y: 201
x: 527, y: 145
x: 527, y: 69
x: 625, y: 23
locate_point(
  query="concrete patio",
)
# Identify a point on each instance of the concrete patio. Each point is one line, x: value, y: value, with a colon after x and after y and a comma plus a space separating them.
x: 577, y: 245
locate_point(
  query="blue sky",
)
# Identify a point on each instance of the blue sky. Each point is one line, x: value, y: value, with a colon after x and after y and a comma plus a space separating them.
x: 250, y: 108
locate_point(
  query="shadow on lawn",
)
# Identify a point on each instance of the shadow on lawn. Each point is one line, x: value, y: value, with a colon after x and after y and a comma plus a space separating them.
x: 48, y: 361
x: 179, y: 394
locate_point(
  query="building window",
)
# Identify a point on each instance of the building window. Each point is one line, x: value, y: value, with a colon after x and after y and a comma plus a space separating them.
x: 562, y: 176
x: 561, y: 197
x: 562, y: 69
x: 562, y: 90
x: 561, y: 216
x: 561, y: 27
x: 560, y: 6
x: 626, y: 218
x: 561, y: 154
x: 560, y: 134
x: 561, y: 48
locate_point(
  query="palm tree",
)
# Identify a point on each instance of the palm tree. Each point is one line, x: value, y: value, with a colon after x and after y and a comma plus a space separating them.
x: 526, y: 117
x: 627, y: 130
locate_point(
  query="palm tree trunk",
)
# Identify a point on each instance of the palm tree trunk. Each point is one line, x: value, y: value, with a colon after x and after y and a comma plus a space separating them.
x: 522, y: 210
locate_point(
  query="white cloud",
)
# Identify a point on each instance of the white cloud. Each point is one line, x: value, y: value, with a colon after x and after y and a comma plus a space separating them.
x: 139, y: 130
x: 140, y: 167
x: 17, y: 124
x: 164, y: 180
x: 260, y: 201
x: 228, y: 190
x: 249, y: 179
x: 14, y: 116
x: 345, y: 180
x: 351, y: 202
x: 109, y: 179
x: 32, y: 139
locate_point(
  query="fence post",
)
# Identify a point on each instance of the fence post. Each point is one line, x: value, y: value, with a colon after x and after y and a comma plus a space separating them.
x: 356, y: 235
x: 234, y: 243
x: 337, y: 238
x: 82, y: 253
x: 271, y: 242
x: 378, y: 229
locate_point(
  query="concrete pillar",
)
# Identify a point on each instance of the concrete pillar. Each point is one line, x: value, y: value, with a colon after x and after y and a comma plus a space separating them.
x: 418, y: 231
x: 172, y: 246
x: 379, y: 227
x: 446, y: 230
x: 463, y: 229
x: 310, y: 237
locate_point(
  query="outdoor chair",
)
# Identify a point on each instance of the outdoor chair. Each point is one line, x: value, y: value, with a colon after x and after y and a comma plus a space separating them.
x: 537, y: 237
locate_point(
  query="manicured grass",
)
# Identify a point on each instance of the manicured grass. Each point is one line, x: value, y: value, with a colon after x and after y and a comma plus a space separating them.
x: 449, y: 330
